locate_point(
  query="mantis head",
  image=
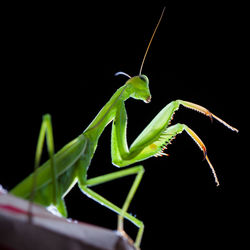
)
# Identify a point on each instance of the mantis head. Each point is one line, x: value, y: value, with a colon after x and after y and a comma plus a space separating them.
x: 139, y: 88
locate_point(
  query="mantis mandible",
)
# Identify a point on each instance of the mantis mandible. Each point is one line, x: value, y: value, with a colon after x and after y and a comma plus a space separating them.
x: 50, y: 182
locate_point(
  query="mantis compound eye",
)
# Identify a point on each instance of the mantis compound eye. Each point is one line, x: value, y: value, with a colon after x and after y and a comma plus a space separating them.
x: 143, y: 78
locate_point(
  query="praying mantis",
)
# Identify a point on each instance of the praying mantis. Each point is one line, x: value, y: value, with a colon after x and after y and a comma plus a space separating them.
x: 51, y: 181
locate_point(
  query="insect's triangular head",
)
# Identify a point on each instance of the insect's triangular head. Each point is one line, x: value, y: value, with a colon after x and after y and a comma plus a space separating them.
x: 139, y: 88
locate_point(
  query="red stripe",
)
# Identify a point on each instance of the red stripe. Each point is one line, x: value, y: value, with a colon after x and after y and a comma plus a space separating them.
x: 13, y: 209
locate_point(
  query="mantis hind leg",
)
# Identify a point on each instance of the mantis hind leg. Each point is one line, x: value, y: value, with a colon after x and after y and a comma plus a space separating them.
x: 122, y: 212
x: 46, y: 131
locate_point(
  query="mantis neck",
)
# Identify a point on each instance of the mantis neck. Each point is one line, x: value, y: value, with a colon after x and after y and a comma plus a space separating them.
x: 106, y: 115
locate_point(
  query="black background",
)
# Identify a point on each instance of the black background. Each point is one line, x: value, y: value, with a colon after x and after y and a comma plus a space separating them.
x: 61, y: 59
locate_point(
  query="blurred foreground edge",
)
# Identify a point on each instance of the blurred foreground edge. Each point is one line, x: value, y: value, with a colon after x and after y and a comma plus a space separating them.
x: 48, y: 231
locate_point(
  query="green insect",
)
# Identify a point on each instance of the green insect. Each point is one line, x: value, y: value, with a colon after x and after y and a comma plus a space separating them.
x: 50, y: 182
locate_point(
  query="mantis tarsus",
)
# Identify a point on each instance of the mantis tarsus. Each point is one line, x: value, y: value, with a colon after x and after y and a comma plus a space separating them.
x: 49, y: 183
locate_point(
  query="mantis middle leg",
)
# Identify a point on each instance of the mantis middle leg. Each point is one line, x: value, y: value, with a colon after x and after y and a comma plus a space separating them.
x: 85, y: 184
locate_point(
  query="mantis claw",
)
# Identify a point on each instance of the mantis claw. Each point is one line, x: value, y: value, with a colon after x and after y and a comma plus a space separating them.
x: 126, y: 236
x: 206, y: 112
x: 199, y: 142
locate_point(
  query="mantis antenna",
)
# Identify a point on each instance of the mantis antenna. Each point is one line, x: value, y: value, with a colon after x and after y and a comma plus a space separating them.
x: 122, y: 73
x: 143, y: 60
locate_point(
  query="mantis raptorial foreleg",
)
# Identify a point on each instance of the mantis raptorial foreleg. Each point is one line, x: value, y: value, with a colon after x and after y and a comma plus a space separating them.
x: 155, y: 136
